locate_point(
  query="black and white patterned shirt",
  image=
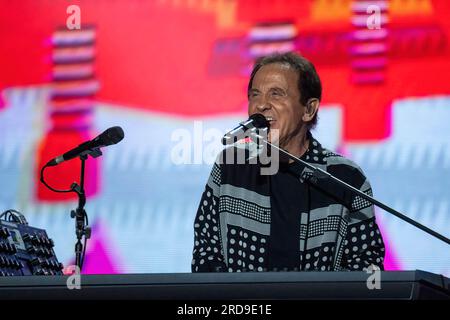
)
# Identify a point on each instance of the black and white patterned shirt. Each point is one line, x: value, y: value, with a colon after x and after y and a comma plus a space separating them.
x: 337, y: 229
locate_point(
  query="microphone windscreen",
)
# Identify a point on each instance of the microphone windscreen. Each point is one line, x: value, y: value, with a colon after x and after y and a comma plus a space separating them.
x: 112, y: 135
x: 259, y: 121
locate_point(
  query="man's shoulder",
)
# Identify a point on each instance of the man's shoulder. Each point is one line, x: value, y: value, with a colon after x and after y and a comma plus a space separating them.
x: 342, y: 167
x: 335, y: 159
x: 337, y: 163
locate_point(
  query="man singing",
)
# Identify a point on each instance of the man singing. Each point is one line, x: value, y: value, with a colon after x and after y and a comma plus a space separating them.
x: 247, y: 221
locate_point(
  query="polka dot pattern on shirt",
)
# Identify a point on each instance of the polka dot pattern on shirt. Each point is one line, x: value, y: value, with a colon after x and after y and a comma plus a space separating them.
x: 319, y: 259
x: 363, y: 246
x: 207, y: 234
x: 246, y: 250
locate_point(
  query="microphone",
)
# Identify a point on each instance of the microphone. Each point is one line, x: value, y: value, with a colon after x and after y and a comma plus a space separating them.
x: 256, y: 120
x: 110, y: 136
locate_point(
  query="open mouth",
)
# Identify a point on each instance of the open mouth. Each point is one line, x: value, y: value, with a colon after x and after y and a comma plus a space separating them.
x: 271, y: 121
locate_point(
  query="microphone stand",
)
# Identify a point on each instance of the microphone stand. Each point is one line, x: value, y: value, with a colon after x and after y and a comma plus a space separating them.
x: 91, y: 148
x: 316, y: 174
x: 80, y: 215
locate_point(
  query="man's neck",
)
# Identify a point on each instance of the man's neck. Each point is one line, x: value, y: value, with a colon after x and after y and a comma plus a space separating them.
x: 298, y: 145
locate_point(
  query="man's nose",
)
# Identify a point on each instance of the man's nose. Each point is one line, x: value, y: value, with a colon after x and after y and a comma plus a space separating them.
x: 263, y: 106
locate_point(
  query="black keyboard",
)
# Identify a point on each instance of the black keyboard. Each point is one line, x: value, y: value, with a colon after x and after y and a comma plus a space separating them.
x: 396, y: 285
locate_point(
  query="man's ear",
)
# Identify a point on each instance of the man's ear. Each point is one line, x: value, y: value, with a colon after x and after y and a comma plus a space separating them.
x: 312, y: 106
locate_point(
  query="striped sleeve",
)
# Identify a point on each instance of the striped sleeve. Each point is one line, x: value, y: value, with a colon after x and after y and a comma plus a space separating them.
x: 207, y: 254
x: 363, y: 245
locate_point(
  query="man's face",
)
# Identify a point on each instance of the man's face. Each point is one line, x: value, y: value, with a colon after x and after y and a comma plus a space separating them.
x: 275, y: 94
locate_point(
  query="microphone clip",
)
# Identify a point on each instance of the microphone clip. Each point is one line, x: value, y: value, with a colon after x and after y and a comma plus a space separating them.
x: 94, y: 153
